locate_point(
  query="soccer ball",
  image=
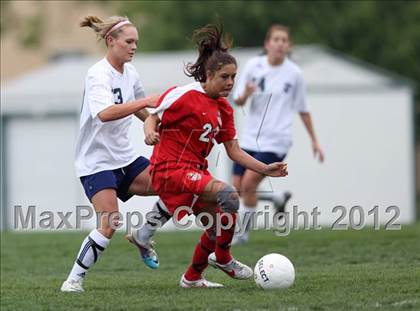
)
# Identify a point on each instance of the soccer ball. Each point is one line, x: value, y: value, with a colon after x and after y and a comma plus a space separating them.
x: 274, y: 271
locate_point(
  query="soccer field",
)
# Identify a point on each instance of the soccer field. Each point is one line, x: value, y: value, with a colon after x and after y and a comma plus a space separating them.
x: 335, y: 270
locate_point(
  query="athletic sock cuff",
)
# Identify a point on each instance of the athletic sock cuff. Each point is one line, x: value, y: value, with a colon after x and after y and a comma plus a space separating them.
x: 99, y: 238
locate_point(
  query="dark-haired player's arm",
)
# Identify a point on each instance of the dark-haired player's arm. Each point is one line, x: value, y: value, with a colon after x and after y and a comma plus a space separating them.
x: 234, y: 151
x: 142, y: 114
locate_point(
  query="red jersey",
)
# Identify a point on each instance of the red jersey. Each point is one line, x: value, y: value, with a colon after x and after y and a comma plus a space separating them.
x: 191, y: 123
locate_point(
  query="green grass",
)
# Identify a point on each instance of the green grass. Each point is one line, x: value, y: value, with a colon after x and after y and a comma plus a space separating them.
x: 335, y: 270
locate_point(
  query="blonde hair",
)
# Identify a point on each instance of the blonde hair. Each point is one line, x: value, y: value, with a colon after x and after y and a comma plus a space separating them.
x: 102, y: 27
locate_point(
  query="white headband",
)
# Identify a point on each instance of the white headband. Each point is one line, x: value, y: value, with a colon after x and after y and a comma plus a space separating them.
x: 116, y: 26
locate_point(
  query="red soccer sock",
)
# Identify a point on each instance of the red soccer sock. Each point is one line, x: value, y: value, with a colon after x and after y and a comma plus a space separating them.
x: 223, y: 240
x: 200, y: 262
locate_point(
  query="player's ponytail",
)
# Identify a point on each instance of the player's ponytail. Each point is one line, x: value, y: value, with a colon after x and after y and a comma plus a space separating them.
x: 104, y: 28
x: 213, y: 48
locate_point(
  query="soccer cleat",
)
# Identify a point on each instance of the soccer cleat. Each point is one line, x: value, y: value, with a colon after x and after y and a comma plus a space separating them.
x: 147, y: 252
x: 280, y: 201
x: 234, y: 268
x: 184, y: 283
x: 74, y: 286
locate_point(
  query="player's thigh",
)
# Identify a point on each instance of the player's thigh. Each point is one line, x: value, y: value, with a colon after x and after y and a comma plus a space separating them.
x: 105, y: 204
x: 216, y: 190
x: 211, y: 190
x: 250, y: 181
x: 105, y: 201
x: 142, y: 184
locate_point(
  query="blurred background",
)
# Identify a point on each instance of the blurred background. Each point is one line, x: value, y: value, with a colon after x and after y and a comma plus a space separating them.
x: 360, y: 63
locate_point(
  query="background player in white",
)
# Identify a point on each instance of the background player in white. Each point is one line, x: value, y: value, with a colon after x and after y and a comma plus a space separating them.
x: 106, y: 162
x: 274, y: 84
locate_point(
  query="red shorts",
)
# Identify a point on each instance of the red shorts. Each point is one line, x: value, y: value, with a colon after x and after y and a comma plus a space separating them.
x: 180, y: 187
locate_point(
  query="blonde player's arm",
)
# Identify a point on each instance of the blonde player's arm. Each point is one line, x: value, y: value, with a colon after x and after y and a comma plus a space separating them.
x: 116, y: 112
x: 316, y: 148
x: 151, y: 133
x: 236, y: 154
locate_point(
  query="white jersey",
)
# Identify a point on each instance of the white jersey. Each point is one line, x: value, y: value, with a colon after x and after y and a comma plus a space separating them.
x: 279, y: 94
x: 105, y: 145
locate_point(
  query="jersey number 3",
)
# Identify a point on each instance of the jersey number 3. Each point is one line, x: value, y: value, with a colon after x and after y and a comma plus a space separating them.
x: 118, y: 98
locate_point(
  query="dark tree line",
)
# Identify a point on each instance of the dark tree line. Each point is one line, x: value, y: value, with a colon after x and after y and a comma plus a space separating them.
x: 384, y: 33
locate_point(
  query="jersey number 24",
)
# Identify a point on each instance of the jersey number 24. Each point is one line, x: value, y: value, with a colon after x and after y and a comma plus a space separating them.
x: 208, y: 128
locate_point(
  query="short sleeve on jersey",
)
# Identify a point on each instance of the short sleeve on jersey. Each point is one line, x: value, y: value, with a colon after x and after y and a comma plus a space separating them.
x: 227, y: 131
x: 299, y: 99
x: 99, y: 94
x: 172, y: 106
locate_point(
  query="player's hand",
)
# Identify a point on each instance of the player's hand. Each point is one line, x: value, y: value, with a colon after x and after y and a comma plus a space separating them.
x: 249, y: 89
x: 317, y: 151
x: 277, y: 169
x: 152, y: 100
x: 152, y: 138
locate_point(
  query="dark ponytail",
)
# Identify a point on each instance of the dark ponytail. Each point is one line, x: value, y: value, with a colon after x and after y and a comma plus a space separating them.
x: 213, y: 49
